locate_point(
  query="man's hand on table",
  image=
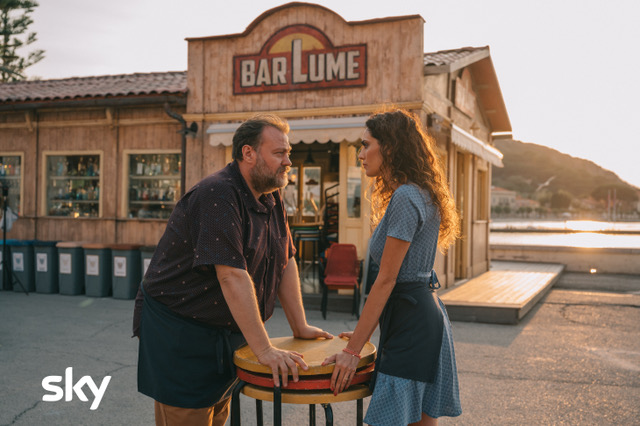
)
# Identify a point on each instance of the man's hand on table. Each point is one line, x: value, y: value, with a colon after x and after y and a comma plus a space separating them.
x: 310, y: 332
x: 281, y: 362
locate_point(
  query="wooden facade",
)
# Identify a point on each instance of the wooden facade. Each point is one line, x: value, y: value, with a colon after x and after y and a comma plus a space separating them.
x: 232, y: 77
x: 104, y: 131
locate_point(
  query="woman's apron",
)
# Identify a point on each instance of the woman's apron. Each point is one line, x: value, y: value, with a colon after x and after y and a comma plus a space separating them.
x: 411, y: 326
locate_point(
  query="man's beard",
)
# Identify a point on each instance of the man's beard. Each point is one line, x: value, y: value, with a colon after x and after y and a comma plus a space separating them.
x: 264, y: 181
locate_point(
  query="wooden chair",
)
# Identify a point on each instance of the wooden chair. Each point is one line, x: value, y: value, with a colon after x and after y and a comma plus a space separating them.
x: 340, y: 270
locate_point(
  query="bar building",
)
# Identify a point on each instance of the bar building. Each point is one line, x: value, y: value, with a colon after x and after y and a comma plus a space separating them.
x: 105, y: 159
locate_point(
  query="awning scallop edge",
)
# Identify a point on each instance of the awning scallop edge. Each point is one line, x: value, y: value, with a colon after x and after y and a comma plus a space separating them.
x: 307, y: 131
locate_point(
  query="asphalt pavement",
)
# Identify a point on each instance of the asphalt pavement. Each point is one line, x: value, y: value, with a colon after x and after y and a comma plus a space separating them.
x: 573, y: 360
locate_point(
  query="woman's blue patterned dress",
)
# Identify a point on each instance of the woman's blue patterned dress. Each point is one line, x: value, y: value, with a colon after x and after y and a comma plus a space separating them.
x: 411, y: 216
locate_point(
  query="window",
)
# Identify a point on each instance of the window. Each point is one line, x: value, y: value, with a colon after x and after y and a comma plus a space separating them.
x: 154, y: 184
x: 11, y: 178
x: 311, y: 191
x: 73, y: 185
x: 354, y: 182
x: 290, y: 192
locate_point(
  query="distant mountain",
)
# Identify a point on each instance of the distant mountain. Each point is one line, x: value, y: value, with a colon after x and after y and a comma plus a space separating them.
x: 530, y: 168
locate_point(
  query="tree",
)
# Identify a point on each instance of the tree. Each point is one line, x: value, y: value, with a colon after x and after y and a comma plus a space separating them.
x: 14, y: 20
x: 561, y: 199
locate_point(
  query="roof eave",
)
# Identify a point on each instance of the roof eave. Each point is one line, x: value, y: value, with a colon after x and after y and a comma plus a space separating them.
x: 453, y: 66
x: 490, y: 95
x: 102, y: 101
x: 486, y: 85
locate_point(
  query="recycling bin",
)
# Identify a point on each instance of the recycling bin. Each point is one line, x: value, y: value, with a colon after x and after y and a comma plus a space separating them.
x: 97, y: 269
x: 126, y: 270
x: 5, y: 258
x: 22, y: 265
x: 70, y: 267
x: 46, y: 266
x: 146, y: 253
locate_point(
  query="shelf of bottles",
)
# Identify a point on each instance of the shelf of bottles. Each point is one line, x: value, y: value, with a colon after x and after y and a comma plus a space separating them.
x: 11, y: 178
x: 73, y: 185
x: 154, y: 185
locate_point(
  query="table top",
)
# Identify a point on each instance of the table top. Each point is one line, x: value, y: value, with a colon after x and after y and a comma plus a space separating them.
x: 314, y: 352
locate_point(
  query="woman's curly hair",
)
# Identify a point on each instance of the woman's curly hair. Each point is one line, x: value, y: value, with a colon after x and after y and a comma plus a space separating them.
x: 408, y: 156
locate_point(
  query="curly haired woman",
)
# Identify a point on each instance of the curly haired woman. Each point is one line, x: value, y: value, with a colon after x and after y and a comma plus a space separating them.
x: 416, y: 379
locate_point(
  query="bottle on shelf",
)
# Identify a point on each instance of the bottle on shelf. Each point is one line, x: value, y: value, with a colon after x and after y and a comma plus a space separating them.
x: 139, y: 165
x: 82, y: 168
x: 91, y: 167
x: 166, y: 166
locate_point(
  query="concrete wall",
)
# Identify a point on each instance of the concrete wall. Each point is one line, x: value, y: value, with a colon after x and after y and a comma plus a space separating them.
x: 576, y: 259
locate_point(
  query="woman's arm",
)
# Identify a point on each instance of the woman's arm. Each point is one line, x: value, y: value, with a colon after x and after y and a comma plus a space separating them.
x: 392, y: 257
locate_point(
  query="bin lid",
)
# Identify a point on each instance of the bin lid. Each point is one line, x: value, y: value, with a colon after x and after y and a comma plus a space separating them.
x: 40, y: 243
x: 148, y: 248
x: 22, y: 242
x: 95, y: 246
x: 70, y: 244
x: 125, y: 246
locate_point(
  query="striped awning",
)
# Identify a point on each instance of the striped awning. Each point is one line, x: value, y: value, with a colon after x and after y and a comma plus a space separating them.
x: 472, y: 144
x: 320, y: 130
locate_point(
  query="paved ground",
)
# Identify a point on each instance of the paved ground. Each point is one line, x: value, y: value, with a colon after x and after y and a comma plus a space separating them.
x: 575, y: 359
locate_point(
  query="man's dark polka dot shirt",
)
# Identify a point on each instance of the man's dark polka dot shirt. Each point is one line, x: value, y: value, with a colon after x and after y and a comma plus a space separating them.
x: 219, y: 222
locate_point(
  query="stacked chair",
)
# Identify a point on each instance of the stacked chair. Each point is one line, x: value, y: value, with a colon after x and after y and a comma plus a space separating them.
x: 341, y: 269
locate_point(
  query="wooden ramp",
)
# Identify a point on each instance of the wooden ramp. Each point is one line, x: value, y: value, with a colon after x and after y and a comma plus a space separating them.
x: 503, y: 295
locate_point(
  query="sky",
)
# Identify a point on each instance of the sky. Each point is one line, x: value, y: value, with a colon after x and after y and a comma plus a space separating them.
x: 568, y: 69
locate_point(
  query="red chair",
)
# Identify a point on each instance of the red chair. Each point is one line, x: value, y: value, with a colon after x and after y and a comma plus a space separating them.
x: 341, y: 270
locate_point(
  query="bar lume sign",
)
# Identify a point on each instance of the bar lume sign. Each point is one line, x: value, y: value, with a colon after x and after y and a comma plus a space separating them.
x: 300, y: 57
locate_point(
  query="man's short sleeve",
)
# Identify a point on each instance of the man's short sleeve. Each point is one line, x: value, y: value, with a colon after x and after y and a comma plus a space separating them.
x: 216, y: 231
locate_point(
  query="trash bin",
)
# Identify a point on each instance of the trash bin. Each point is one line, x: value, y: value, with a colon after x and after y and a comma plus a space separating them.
x: 126, y: 270
x: 5, y: 257
x: 146, y: 253
x: 97, y: 269
x: 46, y: 266
x: 22, y: 265
x: 70, y: 267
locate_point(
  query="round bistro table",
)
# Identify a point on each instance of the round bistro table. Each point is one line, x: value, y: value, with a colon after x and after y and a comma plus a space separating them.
x: 256, y: 380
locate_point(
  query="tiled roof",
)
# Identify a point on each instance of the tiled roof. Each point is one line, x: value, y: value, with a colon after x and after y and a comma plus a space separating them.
x: 159, y: 83
x: 446, y: 57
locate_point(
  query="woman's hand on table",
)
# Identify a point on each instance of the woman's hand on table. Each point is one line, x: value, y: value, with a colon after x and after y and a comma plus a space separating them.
x: 345, y: 369
x: 311, y: 332
x: 281, y: 362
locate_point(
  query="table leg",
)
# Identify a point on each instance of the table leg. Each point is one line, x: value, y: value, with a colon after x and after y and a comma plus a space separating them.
x: 359, y: 413
x: 328, y: 414
x: 259, y: 418
x: 235, y: 404
x: 312, y: 414
x: 277, y: 406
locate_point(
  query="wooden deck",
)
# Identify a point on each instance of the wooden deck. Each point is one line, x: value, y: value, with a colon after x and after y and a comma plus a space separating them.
x: 503, y: 295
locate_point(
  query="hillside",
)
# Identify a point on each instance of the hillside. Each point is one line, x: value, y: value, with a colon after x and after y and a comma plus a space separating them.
x: 527, y: 166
